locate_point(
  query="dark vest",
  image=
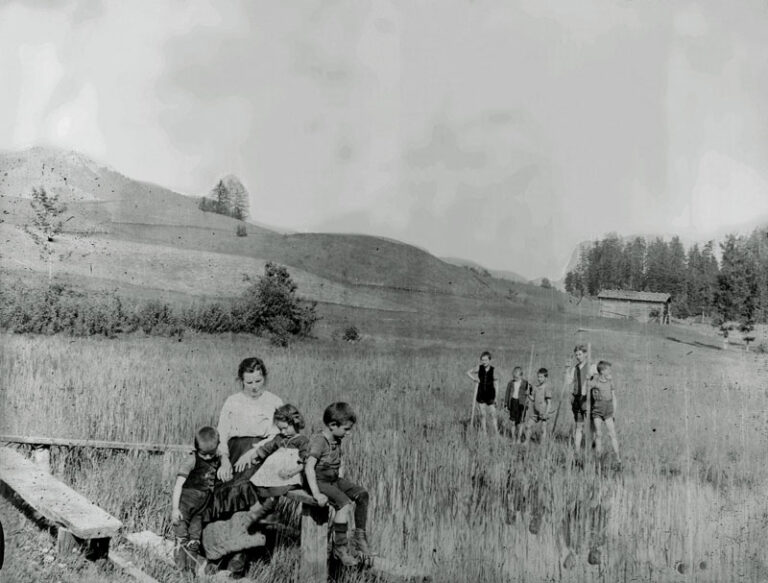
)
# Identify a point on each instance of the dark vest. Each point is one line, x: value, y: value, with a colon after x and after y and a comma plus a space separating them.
x: 486, y: 380
x: 580, y: 377
x: 203, y: 475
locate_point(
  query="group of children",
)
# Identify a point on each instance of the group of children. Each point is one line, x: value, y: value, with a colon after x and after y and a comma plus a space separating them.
x: 318, y: 458
x: 530, y: 404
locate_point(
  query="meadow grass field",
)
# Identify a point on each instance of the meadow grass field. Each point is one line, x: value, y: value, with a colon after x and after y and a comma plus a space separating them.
x: 691, y: 422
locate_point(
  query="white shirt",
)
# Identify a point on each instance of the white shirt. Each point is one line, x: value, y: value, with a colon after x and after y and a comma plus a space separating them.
x: 516, y: 389
x: 244, y: 416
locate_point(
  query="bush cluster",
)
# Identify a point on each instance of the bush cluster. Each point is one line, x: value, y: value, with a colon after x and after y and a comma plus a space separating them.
x: 268, y: 307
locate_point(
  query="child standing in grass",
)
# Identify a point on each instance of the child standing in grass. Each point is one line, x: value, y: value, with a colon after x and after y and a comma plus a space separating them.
x: 487, y: 386
x: 602, y: 391
x: 580, y: 374
x: 192, y: 493
x: 280, y: 462
x: 539, y: 404
x: 324, y: 469
x: 515, y: 399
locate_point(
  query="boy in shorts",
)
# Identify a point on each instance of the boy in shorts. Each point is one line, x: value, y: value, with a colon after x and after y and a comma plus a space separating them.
x: 324, y: 469
x: 579, y: 380
x: 539, y: 404
x: 602, y: 391
x: 487, y: 386
x: 514, y: 400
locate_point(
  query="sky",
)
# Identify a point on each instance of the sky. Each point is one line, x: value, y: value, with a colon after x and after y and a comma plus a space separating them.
x: 505, y: 132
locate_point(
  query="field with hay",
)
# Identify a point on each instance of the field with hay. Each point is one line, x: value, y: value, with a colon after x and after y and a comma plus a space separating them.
x: 466, y: 506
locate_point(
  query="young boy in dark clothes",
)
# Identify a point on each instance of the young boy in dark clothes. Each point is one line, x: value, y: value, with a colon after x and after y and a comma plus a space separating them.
x: 514, y: 400
x: 192, y: 493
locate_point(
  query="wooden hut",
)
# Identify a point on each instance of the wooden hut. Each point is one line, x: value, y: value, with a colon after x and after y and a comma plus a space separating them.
x: 641, y: 306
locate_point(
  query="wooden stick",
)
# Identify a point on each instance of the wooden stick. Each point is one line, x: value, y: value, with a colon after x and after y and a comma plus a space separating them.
x: 588, y: 420
x: 559, y: 403
x: 528, y: 380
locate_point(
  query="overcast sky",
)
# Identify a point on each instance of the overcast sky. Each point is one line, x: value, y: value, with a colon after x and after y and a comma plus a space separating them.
x: 504, y: 132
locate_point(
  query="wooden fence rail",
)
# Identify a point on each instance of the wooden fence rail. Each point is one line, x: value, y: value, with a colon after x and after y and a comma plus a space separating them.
x: 95, y: 443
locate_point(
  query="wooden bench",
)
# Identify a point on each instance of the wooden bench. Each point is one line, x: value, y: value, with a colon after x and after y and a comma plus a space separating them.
x: 77, y: 520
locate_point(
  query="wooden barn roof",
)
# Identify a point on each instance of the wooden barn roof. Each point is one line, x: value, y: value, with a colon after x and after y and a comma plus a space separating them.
x: 637, y: 296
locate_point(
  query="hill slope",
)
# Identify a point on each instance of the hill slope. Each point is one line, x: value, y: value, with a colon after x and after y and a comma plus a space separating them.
x: 126, y: 231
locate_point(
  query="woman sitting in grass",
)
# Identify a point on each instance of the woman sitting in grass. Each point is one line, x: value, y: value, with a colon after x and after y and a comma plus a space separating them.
x: 246, y: 419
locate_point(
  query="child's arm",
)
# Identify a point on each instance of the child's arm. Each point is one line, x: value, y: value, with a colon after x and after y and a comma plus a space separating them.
x: 302, y: 444
x: 342, y: 468
x: 258, y: 453
x: 309, y: 471
x: 176, y: 513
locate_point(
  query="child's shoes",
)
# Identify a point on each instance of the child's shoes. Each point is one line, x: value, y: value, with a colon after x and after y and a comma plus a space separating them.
x: 360, y: 543
x: 342, y: 554
x: 341, y: 546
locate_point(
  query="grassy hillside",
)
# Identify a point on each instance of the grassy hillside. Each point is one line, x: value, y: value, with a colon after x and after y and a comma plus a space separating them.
x: 125, y: 231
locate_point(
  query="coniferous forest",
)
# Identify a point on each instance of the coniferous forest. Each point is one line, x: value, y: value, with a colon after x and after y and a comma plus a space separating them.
x: 727, y: 283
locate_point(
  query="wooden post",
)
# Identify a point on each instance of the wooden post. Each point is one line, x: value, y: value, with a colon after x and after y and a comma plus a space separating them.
x: 313, y: 567
x: 41, y: 456
x: 65, y: 542
x: 588, y: 420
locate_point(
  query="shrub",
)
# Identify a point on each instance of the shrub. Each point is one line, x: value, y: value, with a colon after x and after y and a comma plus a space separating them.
x: 270, y: 305
x: 241, y: 231
x: 351, y: 334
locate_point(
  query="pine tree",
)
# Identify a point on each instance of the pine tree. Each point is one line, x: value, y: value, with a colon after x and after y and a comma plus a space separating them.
x: 240, y: 205
x: 222, y: 197
x: 735, y: 296
x: 634, y: 254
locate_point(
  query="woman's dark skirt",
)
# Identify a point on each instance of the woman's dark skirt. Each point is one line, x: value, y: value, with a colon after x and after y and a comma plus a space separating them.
x: 237, y: 494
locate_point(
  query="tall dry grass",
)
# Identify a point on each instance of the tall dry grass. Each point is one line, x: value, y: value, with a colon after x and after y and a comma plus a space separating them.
x: 691, y: 424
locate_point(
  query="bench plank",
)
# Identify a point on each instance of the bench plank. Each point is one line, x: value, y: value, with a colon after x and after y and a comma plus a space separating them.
x: 55, y: 501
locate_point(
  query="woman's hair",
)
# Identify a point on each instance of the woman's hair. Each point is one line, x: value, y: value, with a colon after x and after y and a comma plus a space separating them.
x: 251, y: 365
x: 206, y: 439
x: 339, y: 413
x: 486, y: 353
x: 289, y: 414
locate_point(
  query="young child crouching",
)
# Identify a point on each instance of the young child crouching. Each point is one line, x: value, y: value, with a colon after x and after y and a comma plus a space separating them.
x: 192, y: 493
x: 324, y: 469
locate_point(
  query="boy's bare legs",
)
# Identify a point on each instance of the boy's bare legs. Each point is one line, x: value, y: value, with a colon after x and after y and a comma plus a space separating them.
x: 485, y: 412
x: 577, y: 435
x: 598, y: 425
x: 494, y: 419
x: 543, y: 432
x: 611, y: 427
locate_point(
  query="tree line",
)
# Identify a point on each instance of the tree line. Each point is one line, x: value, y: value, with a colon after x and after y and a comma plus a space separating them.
x: 227, y: 198
x: 731, y: 289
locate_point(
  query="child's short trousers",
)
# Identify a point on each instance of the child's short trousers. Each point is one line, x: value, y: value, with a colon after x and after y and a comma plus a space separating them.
x: 487, y: 397
x: 602, y: 409
x: 536, y: 417
x: 340, y: 492
x: 516, y: 409
x: 579, y: 407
